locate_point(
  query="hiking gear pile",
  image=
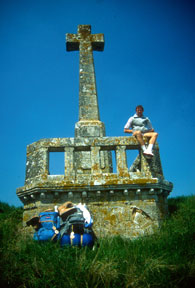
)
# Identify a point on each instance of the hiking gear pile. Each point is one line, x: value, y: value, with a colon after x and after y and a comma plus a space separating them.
x: 72, y: 225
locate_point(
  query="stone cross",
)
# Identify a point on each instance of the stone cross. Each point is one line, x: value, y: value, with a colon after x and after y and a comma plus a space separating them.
x: 85, y: 43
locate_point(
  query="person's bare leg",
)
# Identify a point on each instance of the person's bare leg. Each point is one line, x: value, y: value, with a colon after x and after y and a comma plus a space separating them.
x: 138, y: 135
x: 153, y: 136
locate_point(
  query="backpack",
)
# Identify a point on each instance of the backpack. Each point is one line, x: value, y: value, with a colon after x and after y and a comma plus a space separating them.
x: 73, y: 229
x: 49, y: 224
x: 73, y: 221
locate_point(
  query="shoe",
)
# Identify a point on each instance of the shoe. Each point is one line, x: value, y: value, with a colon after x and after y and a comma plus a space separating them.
x: 148, y: 153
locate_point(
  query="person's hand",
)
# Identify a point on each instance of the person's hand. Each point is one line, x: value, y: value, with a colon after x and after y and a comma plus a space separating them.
x: 128, y: 131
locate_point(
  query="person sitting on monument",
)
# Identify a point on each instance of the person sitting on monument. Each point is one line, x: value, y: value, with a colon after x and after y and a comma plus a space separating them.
x: 141, y: 127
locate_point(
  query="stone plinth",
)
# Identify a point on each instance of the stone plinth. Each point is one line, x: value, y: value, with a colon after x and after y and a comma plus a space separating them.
x: 127, y: 202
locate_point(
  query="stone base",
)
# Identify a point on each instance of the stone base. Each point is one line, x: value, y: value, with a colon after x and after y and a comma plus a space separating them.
x: 89, y: 129
x: 128, y: 213
x: 125, y: 218
x: 127, y: 203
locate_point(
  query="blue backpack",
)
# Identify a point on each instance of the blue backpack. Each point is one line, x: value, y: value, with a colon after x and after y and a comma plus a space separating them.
x: 73, y: 229
x: 49, y: 224
x: 75, y: 239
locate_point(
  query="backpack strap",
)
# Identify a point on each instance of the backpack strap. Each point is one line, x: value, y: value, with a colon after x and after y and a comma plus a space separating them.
x: 64, y: 228
x: 56, y: 232
x: 71, y: 235
x: 81, y: 240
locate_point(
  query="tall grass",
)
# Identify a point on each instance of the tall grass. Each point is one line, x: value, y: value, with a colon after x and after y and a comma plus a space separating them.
x: 165, y: 259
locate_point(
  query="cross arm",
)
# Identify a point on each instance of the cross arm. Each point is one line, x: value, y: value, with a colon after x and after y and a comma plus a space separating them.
x: 72, y: 42
x: 98, y: 42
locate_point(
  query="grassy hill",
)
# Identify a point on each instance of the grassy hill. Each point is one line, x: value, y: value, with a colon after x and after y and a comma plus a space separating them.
x: 165, y: 259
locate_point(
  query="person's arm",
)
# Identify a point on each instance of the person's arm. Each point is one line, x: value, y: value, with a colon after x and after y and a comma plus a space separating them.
x: 128, y: 125
x: 128, y: 130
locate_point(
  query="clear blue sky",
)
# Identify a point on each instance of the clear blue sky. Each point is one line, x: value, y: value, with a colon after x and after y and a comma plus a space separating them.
x: 148, y: 59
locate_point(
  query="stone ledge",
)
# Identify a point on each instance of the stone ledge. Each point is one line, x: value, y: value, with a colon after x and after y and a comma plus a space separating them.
x: 52, y: 193
x: 129, y: 141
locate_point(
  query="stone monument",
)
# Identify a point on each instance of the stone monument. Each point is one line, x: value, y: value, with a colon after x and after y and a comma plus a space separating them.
x: 130, y: 202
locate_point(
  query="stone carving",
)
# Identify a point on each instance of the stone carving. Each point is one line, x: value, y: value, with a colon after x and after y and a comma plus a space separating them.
x: 129, y: 202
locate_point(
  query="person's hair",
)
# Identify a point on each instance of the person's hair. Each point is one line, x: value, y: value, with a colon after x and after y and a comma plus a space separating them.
x: 139, y: 106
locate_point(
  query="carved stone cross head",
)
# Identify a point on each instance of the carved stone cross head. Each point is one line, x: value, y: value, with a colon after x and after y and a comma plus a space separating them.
x: 84, y: 40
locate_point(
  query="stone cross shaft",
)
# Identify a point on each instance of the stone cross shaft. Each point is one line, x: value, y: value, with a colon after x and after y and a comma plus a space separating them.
x: 85, y: 43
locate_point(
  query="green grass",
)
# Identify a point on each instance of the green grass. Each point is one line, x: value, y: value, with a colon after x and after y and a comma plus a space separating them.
x: 164, y: 259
